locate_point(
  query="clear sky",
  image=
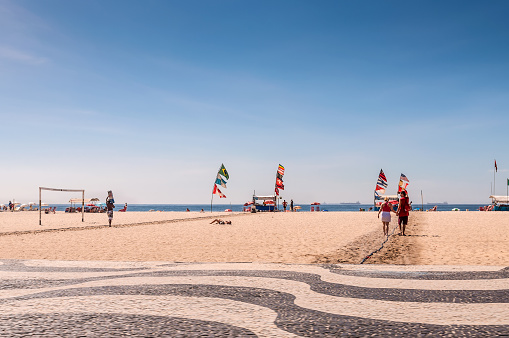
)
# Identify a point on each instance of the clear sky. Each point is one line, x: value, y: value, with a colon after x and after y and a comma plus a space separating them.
x: 148, y: 98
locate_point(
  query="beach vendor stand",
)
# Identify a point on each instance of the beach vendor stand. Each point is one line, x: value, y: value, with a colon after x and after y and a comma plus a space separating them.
x: 264, y: 203
x: 500, y: 203
x: 315, y: 206
x: 393, y: 199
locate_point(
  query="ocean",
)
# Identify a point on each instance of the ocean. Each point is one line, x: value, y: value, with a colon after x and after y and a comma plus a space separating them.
x: 239, y: 207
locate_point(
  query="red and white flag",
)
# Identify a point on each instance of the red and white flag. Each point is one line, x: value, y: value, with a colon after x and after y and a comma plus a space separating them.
x: 218, y: 192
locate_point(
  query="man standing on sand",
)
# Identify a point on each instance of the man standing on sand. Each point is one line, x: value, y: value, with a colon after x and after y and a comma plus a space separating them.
x: 110, y: 206
x: 291, y: 205
x: 403, y: 212
x: 284, y: 205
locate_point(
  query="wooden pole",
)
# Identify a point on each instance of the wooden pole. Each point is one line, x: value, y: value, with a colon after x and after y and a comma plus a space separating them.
x: 422, y: 202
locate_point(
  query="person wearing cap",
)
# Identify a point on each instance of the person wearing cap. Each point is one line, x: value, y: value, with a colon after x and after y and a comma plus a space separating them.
x: 403, y: 212
x: 386, y: 209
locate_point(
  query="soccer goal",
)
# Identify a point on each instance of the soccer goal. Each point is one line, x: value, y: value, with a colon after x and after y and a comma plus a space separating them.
x: 67, y: 190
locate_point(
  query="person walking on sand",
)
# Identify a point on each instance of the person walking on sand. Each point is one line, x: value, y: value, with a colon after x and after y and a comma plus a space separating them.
x: 291, y: 205
x: 403, y: 212
x: 386, y: 209
x: 110, y: 206
x: 284, y: 205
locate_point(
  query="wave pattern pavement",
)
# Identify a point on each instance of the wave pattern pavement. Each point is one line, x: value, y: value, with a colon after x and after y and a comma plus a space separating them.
x: 74, y: 298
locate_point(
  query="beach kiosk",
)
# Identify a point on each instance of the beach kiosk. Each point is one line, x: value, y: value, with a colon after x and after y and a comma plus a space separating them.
x: 263, y: 203
x: 393, y: 199
x: 315, y: 206
x: 500, y: 203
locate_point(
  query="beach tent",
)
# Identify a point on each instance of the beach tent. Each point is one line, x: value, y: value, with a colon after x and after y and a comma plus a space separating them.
x: 500, y: 199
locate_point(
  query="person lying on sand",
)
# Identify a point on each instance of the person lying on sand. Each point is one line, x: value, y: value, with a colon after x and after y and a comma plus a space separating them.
x: 220, y: 221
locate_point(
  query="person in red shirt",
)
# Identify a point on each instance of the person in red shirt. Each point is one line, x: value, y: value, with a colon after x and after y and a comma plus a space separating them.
x: 403, y: 212
x: 386, y: 209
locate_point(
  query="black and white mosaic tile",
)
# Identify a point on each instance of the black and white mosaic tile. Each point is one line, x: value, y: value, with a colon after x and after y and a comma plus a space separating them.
x: 45, y: 298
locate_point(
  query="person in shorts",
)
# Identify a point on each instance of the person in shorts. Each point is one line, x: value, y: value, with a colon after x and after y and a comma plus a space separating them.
x: 110, y: 206
x: 403, y: 212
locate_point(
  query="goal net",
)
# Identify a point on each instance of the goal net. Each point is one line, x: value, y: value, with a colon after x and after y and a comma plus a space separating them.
x: 66, y: 190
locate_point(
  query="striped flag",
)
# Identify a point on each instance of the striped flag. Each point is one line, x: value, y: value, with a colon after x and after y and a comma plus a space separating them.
x: 281, y: 170
x: 403, y: 178
x: 496, y: 168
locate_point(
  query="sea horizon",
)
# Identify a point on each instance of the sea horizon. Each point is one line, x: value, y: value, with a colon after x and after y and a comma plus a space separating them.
x: 140, y: 207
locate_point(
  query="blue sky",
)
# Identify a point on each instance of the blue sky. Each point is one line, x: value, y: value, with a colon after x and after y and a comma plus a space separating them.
x: 149, y: 98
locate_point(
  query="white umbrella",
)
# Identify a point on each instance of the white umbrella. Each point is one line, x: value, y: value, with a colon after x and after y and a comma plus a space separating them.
x: 24, y: 205
x: 32, y: 203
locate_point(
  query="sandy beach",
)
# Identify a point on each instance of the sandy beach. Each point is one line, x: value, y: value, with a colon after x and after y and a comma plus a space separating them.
x: 444, y: 238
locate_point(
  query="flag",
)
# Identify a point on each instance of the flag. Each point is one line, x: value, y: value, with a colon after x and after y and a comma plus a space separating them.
x: 508, y: 182
x: 382, y: 180
x: 380, y: 190
x: 404, y: 178
x: 280, y: 186
x: 218, y: 192
x: 279, y: 176
x: 281, y: 170
x: 224, y: 172
x: 220, y: 181
x: 402, y: 186
x: 496, y: 168
x: 279, y: 181
x: 277, y: 191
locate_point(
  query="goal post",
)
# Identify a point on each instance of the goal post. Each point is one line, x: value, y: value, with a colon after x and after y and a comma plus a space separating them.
x: 67, y: 190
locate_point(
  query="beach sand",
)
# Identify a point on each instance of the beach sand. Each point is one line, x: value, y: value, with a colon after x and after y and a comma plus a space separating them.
x: 464, y: 238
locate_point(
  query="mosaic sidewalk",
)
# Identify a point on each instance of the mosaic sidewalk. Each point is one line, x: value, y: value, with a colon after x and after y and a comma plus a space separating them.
x: 75, y: 298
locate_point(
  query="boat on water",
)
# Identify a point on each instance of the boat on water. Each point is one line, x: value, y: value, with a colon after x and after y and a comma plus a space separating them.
x: 442, y: 203
x: 350, y: 203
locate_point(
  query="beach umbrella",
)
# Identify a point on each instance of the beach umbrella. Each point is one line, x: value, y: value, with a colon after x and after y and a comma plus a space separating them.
x: 32, y: 203
x: 297, y: 207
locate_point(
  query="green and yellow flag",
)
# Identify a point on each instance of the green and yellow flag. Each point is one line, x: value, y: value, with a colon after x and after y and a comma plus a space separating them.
x: 224, y: 172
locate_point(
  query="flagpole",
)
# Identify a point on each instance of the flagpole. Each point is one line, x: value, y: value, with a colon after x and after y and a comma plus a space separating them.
x: 494, y: 171
x: 422, y: 202
x: 218, y: 170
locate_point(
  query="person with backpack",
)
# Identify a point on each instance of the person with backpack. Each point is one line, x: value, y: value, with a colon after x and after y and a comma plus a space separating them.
x: 403, y: 212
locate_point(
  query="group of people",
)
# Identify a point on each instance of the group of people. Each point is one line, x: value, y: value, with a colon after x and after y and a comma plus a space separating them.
x: 285, y: 204
x: 402, y: 212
